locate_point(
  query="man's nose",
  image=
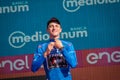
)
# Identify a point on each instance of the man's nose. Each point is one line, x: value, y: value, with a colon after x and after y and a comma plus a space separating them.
x: 53, y: 27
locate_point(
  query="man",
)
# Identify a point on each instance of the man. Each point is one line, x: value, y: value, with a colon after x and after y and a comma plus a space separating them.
x: 57, y: 56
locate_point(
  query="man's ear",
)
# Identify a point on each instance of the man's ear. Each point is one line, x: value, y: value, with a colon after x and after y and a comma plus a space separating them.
x: 61, y: 30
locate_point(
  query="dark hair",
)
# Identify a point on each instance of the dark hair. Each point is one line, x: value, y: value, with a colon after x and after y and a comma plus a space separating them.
x: 53, y: 19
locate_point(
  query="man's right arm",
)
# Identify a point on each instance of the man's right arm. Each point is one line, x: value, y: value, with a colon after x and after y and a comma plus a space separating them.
x: 38, y: 59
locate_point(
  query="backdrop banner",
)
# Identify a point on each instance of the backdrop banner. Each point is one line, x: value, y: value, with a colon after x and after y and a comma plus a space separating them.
x: 91, y: 25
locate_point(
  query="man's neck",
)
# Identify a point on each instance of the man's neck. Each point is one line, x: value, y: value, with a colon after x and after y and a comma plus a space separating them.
x: 57, y: 37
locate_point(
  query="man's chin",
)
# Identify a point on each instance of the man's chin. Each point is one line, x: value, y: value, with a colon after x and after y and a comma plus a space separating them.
x: 55, y: 35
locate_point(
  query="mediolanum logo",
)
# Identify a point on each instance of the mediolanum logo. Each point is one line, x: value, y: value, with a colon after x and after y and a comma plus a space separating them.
x: 18, y: 39
x: 74, y: 5
x: 71, y: 5
x: 14, y: 7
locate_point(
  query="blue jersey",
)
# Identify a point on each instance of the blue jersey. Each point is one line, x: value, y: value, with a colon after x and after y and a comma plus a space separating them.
x: 58, y: 63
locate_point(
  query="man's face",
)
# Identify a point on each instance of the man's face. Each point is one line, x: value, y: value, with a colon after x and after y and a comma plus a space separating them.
x: 54, y: 29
